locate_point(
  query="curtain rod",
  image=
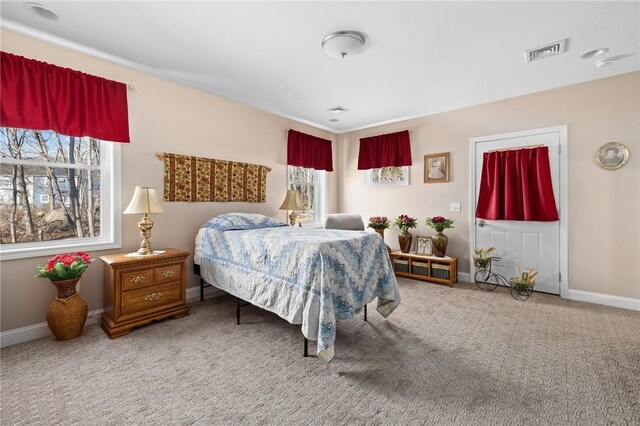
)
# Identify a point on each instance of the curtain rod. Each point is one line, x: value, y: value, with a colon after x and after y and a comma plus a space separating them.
x: 287, y: 131
x: 517, y: 147
x: 160, y: 155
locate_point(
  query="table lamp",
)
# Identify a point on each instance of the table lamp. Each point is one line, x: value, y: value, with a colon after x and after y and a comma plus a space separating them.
x: 144, y: 201
x: 292, y: 202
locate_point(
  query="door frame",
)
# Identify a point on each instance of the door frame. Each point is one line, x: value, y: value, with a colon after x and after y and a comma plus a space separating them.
x: 562, y: 185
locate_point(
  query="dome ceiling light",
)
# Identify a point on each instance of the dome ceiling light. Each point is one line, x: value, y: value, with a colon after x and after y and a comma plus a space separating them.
x: 42, y: 11
x: 604, y: 62
x: 343, y: 44
x: 594, y: 53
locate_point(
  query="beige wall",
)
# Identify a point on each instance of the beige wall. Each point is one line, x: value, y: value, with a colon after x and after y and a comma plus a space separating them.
x: 604, y: 224
x: 164, y: 117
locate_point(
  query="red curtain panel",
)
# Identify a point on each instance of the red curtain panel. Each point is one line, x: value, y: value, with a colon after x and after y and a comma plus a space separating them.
x: 392, y: 149
x: 516, y: 185
x: 309, y: 151
x: 41, y: 96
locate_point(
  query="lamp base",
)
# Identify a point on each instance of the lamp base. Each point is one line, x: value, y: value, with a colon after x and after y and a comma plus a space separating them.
x: 292, y: 218
x: 145, y: 226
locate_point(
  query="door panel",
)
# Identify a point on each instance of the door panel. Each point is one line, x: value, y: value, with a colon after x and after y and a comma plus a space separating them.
x: 519, y: 243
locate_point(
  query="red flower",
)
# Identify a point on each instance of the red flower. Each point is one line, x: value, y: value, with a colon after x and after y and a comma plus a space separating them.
x: 50, y: 265
x: 67, y: 260
x: 437, y: 219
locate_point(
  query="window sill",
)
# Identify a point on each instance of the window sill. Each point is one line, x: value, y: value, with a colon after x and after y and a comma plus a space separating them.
x: 57, y: 247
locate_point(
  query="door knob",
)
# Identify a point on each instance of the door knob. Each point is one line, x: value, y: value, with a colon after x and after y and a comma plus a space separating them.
x: 481, y: 223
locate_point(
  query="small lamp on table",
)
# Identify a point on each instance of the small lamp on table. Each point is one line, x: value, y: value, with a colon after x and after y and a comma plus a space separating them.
x: 144, y: 201
x: 292, y: 202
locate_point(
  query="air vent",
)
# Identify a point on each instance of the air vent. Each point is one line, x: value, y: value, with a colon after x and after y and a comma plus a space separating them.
x: 553, y: 49
x: 337, y: 109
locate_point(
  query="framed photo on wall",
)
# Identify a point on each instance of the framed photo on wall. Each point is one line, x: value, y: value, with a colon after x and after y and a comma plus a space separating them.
x: 612, y: 155
x: 436, y: 168
x: 424, y: 246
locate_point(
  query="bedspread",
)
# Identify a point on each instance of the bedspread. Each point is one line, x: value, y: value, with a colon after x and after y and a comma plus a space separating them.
x: 311, y: 277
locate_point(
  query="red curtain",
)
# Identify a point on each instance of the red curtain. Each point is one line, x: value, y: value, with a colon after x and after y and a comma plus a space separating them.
x: 40, y: 96
x: 393, y: 149
x: 516, y: 185
x: 309, y: 151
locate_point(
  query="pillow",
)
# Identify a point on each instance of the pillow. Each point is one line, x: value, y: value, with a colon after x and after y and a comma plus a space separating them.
x: 242, y: 221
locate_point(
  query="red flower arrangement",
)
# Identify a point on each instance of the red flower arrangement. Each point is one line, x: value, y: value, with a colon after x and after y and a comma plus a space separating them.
x: 65, y: 266
x: 439, y: 223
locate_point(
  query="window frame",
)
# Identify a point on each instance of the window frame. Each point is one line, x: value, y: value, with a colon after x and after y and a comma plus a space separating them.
x: 319, y: 183
x: 369, y: 178
x: 110, y: 217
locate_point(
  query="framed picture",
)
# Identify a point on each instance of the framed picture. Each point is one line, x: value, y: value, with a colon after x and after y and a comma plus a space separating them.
x: 612, y: 155
x: 436, y: 168
x: 424, y: 246
x: 388, y: 176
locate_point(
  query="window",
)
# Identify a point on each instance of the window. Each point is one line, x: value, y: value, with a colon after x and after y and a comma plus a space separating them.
x: 57, y: 193
x: 388, y: 176
x: 311, y: 184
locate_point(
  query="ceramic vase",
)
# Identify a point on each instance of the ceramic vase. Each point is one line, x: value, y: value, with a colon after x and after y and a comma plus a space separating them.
x: 405, y: 238
x: 440, y: 242
x: 68, y: 312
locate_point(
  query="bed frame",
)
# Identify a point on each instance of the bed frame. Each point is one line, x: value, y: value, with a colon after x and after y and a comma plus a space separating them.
x: 242, y: 304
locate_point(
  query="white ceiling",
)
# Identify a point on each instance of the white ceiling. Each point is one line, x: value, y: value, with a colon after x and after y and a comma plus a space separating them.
x: 420, y: 57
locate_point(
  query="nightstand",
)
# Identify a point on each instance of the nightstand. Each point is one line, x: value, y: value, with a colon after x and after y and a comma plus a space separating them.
x: 138, y: 290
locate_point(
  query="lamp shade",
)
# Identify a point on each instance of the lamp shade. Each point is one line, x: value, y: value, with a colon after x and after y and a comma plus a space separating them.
x: 144, y: 201
x: 292, y: 201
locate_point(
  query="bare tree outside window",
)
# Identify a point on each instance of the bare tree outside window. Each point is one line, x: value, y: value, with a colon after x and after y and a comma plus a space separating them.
x: 49, y: 186
x: 307, y: 182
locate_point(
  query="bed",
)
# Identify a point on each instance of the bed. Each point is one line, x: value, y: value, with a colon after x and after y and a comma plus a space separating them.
x: 311, y: 277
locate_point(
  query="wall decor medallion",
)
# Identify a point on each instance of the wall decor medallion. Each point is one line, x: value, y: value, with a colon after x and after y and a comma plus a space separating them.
x: 612, y: 155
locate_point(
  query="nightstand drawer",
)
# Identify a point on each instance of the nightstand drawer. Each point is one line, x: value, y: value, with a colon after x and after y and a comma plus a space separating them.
x: 150, y: 299
x: 139, y: 279
x: 168, y: 274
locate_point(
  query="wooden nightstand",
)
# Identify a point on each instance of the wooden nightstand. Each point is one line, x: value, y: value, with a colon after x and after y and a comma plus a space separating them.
x: 138, y: 290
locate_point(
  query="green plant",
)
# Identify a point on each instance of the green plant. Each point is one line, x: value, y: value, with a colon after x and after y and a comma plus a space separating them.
x: 439, y: 223
x: 526, y: 278
x: 404, y: 222
x: 378, y: 222
x: 64, y: 266
x: 482, y: 256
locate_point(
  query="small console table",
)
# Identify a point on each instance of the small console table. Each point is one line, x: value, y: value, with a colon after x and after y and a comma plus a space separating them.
x: 441, y: 270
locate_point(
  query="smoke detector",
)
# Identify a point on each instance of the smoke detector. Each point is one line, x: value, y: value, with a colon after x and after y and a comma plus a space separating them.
x: 337, y: 109
x: 553, y: 49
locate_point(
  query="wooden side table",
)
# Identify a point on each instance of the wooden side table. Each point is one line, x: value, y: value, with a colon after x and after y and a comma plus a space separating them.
x: 138, y: 290
x: 441, y: 270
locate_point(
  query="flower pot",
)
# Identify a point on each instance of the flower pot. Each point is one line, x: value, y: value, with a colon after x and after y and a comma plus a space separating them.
x: 521, y: 291
x: 405, y: 238
x: 380, y: 231
x: 440, y: 242
x: 68, y: 312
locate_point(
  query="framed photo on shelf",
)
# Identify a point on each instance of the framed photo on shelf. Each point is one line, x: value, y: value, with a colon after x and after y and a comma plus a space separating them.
x: 436, y: 168
x: 424, y: 246
x: 612, y: 155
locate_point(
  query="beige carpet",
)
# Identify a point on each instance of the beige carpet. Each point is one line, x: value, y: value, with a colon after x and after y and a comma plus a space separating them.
x: 446, y: 356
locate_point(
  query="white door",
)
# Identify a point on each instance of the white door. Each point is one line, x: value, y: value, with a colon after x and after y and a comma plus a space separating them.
x: 525, y: 244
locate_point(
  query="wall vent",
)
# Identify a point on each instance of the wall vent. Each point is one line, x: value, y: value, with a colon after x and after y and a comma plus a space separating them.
x: 337, y: 109
x: 553, y: 49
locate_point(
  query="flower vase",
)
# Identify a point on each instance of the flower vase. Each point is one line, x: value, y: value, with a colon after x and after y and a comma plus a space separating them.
x: 380, y: 232
x: 68, y: 312
x: 440, y: 242
x: 405, y: 238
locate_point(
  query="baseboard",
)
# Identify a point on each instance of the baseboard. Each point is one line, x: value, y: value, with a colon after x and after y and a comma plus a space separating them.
x: 193, y: 293
x: 464, y: 276
x: 604, y: 299
x: 38, y: 331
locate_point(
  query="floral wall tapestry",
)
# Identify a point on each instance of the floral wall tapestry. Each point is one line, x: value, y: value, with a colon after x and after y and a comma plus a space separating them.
x: 188, y: 178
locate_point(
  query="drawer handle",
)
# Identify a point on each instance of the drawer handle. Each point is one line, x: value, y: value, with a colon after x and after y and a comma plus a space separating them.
x: 168, y: 274
x: 153, y: 297
x: 137, y: 280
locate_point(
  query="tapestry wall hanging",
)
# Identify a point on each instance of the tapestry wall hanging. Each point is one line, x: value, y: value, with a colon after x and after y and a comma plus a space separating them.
x: 188, y: 178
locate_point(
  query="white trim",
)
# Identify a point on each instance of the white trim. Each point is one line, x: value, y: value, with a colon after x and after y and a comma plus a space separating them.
x: 604, y: 299
x: 193, y: 293
x: 564, y: 195
x: 465, y: 277
x: 38, y: 331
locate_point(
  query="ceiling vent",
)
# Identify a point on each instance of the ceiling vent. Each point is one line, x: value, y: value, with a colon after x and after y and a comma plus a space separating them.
x: 553, y: 49
x: 337, y: 109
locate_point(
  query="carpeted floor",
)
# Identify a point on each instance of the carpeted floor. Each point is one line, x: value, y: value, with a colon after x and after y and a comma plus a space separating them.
x: 446, y: 356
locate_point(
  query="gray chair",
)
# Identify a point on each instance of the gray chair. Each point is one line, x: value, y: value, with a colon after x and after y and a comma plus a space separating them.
x: 348, y: 222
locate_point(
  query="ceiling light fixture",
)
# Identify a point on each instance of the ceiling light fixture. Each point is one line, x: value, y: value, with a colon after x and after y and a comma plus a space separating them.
x: 594, y: 53
x: 343, y: 44
x: 333, y: 120
x: 604, y: 62
x: 42, y: 11
x: 337, y: 109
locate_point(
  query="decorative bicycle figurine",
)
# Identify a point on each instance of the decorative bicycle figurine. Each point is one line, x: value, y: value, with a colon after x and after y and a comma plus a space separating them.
x: 520, y: 287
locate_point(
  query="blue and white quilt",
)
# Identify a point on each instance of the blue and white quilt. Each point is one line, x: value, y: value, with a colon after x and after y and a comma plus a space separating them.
x: 311, y: 277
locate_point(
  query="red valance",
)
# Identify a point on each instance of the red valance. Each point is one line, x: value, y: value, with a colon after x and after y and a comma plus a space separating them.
x: 393, y: 149
x: 309, y: 151
x: 516, y: 185
x: 41, y: 96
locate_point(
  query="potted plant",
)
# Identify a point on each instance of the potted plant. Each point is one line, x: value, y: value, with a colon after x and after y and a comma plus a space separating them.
x: 440, y: 240
x: 68, y: 312
x: 379, y: 224
x: 482, y: 256
x: 404, y: 223
x: 522, y: 285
